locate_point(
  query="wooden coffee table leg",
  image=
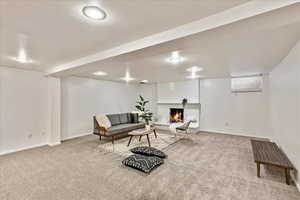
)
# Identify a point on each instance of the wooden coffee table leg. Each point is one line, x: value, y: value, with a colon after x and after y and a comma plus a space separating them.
x: 129, y: 141
x: 155, y: 133
x: 148, y: 140
x: 258, y: 169
x: 140, y: 138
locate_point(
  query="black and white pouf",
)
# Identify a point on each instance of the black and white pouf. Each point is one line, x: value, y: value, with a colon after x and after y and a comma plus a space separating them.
x: 143, y: 163
x: 148, y: 151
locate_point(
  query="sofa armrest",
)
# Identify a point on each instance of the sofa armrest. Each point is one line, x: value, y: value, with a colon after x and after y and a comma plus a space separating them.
x: 101, y: 128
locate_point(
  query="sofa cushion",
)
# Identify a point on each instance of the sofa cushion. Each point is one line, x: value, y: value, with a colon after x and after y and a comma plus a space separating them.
x: 143, y: 163
x: 124, y: 118
x: 121, y: 128
x: 134, y: 117
x: 138, y: 125
x: 114, y: 119
x: 148, y: 151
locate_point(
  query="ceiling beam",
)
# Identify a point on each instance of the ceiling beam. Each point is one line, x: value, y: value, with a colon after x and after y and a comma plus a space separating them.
x: 244, y: 11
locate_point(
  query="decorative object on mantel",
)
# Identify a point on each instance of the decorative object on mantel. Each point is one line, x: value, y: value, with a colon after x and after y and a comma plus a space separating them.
x: 184, y: 102
x: 145, y: 114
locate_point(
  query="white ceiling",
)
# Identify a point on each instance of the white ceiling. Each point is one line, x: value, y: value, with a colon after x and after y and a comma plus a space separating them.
x: 53, y: 32
x: 251, y: 46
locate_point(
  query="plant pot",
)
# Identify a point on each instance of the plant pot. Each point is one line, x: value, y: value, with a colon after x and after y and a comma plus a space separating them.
x: 148, y: 126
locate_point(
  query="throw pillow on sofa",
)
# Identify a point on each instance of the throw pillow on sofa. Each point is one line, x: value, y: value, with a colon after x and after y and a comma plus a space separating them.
x: 103, y: 121
x: 148, y: 151
x: 134, y: 117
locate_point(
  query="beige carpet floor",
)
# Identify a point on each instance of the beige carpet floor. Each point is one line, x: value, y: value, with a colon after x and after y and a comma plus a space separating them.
x: 201, y: 166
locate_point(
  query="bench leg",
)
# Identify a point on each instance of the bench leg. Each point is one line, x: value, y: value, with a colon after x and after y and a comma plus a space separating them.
x: 258, y: 169
x: 287, y: 176
x: 140, y: 138
x: 113, y: 140
x: 99, y: 137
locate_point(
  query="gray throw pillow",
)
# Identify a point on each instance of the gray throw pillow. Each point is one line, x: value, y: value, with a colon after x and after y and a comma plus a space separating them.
x: 142, y: 163
x: 148, y: 151
x: 114, y: 119
x: 124, y: 118
x: 134, y: 117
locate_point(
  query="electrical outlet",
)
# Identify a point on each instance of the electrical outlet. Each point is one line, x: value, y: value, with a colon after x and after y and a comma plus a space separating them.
x: 29, y: 136
x: 226, y: 124
x: 43, y: 133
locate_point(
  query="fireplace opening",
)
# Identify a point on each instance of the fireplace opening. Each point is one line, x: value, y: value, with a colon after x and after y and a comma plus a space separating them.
x: 176, y: 115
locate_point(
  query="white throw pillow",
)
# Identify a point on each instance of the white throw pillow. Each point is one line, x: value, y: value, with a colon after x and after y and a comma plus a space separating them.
x: 103, y: 121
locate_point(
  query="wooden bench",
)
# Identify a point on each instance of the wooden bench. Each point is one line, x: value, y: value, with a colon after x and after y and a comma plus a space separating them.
x: 268, y: 153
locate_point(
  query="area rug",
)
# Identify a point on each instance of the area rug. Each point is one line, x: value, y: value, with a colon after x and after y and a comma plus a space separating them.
x: 120, y: 145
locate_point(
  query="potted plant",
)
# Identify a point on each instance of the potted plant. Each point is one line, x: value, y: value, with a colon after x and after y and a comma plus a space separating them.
x: 184, y: 102
x: 145, y: 114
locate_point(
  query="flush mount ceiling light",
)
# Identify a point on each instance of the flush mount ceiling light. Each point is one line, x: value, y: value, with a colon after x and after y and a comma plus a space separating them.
x: 100, y: 73
x: 94, y: 12
x: 127, y: 77
x: 175, y: 58
x: 194, y: 69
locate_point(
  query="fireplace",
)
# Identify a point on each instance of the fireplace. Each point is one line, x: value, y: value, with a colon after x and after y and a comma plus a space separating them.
x: 176, y: 115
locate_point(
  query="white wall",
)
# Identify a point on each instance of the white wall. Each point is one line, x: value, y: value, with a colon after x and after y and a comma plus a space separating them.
x: 23, y: 106
x: 174, y: 92
x: 170, y: 95
x: 285, y: 106
x: 226, y: 112
x: 1, y: 112
x: 54, y: 111
x: 149, y: 92
x: 83, y: 98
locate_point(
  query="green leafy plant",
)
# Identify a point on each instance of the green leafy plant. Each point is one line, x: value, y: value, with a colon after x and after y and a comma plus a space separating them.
x: 184, y: 102
x: 145, y: 114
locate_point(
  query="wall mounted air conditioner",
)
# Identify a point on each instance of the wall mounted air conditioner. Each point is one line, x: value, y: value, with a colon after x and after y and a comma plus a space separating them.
x: 247, y: 84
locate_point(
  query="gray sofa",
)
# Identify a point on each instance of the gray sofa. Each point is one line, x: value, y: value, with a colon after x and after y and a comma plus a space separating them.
x: 121, y: 123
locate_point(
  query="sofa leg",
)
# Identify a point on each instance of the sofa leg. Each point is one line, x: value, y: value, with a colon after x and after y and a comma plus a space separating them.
x: 112, y: 139
x: 99, y: 137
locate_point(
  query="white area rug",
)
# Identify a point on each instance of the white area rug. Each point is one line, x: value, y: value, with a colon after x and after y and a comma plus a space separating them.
x: 120, y: 146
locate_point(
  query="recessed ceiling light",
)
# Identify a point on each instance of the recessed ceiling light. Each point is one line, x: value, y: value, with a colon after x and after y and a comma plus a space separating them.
x: 144, y: 81
x: 100, y: 73
x: 127, y: 77
x: 193, y: 76
x: 194, y: 69
x: 175, y: 58
x: 23, y: 60
x: 94, y: 12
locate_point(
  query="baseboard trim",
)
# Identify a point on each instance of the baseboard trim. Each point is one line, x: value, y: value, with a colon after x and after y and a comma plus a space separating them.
x: 22, y: 149
x: 234, y: 134
x: 76, y: 136
x: 54, y: 144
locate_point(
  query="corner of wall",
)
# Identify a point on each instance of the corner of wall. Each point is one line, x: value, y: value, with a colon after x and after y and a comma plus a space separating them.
x: 1, y: 108
x: 54, y: 111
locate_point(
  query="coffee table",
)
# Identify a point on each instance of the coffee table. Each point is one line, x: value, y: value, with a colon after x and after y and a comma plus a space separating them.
x: 141, y: 133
